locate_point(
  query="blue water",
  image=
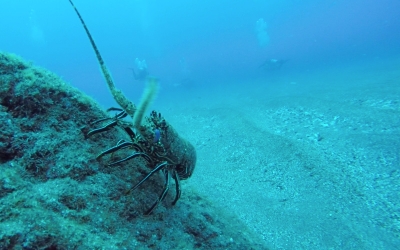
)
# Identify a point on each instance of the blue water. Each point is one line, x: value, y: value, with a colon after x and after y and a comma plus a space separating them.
x: 337, y: 88
x: 199, y: 40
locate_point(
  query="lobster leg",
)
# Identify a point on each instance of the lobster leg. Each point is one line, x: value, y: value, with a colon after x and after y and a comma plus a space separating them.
x: 99, y: 130
x: 162, y: 195
x: 155, y: 170
x: 121, y: 144
x: 177, y: 186
x: 130, y: 157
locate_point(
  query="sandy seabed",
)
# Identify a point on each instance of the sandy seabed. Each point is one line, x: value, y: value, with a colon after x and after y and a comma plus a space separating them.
x: 308, y: 161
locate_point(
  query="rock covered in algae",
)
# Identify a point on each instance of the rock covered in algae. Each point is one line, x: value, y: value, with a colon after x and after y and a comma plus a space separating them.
x: 54, y: 194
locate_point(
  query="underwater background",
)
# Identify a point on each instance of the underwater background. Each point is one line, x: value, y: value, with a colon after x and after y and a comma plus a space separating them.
x: 293, y: 106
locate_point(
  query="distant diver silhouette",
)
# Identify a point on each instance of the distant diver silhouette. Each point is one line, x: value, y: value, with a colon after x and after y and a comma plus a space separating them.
x: 142, y: 72
x: 273, y: 64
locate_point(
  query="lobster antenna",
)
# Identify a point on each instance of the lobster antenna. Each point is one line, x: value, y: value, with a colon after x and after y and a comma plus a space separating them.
x: 148, y: 96
x: 119, y: 97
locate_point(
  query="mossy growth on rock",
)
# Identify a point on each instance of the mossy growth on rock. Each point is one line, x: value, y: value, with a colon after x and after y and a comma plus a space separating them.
x: 54, y: 194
